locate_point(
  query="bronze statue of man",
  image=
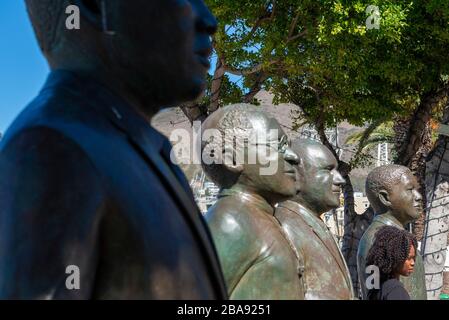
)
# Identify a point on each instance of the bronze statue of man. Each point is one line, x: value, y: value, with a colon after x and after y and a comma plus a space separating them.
x: 87, y: 189
x: 392, y: 191
x: 256, y: 172
x: 326, y: 275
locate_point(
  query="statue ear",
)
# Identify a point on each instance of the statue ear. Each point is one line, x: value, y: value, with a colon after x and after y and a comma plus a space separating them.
x: 92, y: 11
x: 384, y: 197
x: 235, y: 168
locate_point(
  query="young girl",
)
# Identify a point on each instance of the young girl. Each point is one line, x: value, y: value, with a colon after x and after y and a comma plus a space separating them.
x: 393, y: 252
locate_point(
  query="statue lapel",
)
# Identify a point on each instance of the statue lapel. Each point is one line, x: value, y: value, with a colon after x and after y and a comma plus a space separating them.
x: 330, y: 244
x: 150, y: 145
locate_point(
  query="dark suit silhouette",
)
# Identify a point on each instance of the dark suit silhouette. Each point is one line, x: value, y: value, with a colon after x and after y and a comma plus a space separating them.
x: 86, y: 181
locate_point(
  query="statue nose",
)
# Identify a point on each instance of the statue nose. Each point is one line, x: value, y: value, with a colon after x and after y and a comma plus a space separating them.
x: 291, y: 157
x: 418, y: 196
x: 338, y: 178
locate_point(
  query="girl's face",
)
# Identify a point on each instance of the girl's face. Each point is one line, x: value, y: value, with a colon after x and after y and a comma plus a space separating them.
x: 409, y: 264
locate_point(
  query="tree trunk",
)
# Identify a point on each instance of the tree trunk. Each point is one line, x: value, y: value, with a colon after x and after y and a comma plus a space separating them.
x: 417, y: 162
x: 437, y: 223
x: 195, y: 111
x: 355, y: 226
x: 413, y: 140
x: 215, y: 90
x: 256, y: 87
x: 418, y: 167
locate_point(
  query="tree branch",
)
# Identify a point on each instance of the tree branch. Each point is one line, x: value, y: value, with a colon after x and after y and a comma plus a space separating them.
x: 251, y: 70
x: 216, y: 85
x: 266, y: 17
x: 293, y: 26
x: 299, y: 35
x: 194, y: 111
x: 256, y: 87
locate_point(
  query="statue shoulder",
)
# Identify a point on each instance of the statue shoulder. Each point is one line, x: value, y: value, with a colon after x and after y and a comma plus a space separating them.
x: 371, y: 230
x: 367, y: 239
x: 235, y: 238
x: 227, y: 217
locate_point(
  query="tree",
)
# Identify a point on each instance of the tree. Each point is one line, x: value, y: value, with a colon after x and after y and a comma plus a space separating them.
x: 324, y: 57
x: 357, y: 76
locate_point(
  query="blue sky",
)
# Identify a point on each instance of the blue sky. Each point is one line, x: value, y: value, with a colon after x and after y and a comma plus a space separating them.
x: 22, y: 67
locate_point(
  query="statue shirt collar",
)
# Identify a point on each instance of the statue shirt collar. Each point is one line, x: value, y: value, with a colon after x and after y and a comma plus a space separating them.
x: 245, y: 196
x: 107, y: 103
x: 388, y: 219
x: 299, y: 209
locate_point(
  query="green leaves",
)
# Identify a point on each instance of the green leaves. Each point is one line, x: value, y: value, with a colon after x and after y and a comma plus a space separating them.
x: 322, y: 55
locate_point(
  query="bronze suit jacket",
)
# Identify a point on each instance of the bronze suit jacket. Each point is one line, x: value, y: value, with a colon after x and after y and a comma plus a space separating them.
x: 86, y: 181
x: 326, y: 275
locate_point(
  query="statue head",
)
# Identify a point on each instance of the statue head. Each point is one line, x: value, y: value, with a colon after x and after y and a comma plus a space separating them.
x: 243, y: 146
x: 153, y: 53
x: 393, y: 188
x: 318, y: 178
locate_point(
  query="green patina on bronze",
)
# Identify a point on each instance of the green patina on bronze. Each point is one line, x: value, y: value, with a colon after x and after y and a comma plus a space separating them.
x: 393, y: 193
x: 257, y: 258
x: 326, y: 273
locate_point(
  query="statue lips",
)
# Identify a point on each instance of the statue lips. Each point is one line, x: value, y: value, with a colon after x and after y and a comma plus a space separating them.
x: 419, y: 209
x: 336, y: 190
x: 291, y: 174
x: 203, y: 56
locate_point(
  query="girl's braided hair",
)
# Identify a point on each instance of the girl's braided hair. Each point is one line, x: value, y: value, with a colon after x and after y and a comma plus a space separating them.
x: 390, y: 250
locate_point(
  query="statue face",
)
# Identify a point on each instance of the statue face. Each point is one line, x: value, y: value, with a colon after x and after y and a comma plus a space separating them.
x: 161, y: 47
x: 320, y: 180
x: 274, y: 177
x: 405, y: 200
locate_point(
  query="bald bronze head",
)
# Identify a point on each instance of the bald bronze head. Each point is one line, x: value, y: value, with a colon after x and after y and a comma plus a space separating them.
x: 153, y: 53
x: 394, y: 189
x: 252, y: 151
x: 318, y: 178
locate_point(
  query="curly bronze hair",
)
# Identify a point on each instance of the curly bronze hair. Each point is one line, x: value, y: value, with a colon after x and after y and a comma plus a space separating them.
x: 383, y: 177
x: 390, y: 250
x: 235, y: 122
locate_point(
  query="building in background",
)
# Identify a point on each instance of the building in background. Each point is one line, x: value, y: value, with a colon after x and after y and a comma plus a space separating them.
x: 361, y: 202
